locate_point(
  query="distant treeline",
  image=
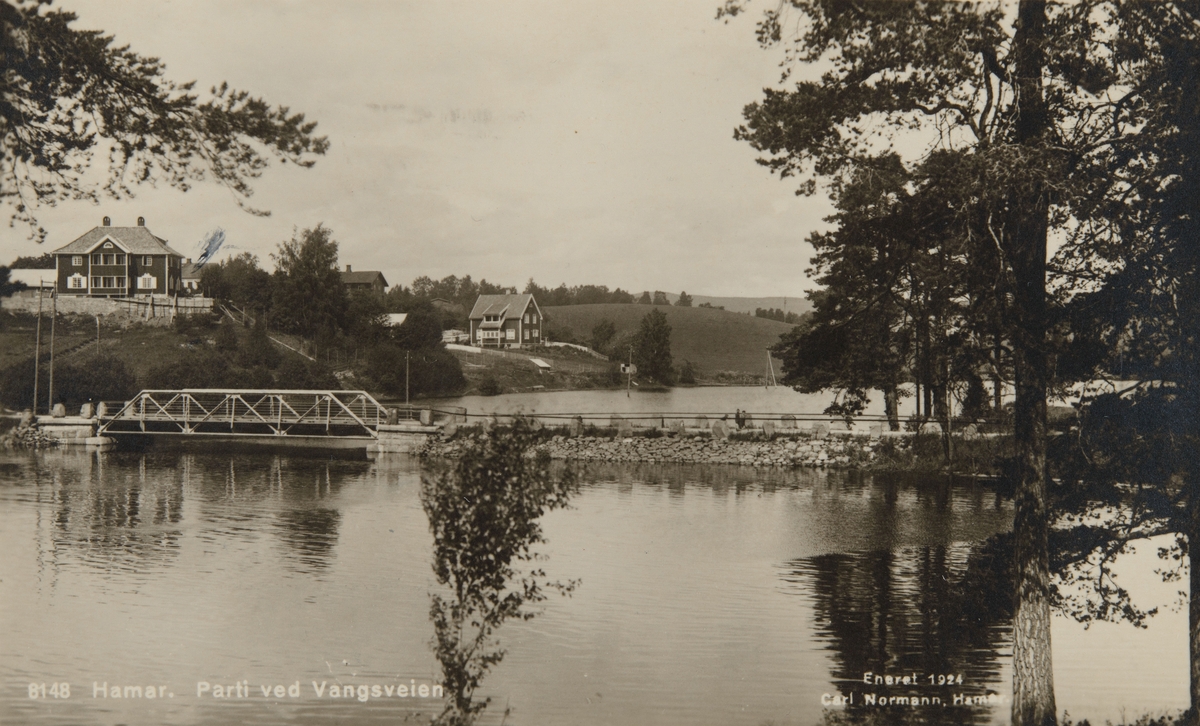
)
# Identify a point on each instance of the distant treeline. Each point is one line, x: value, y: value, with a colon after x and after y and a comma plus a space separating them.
x: 778, y: 314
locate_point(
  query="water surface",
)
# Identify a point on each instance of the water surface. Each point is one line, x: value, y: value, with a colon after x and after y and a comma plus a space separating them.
x: 710, y: 595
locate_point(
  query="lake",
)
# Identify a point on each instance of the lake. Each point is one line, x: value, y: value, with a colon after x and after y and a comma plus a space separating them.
x: 709, y: 595
x: 712, y: 401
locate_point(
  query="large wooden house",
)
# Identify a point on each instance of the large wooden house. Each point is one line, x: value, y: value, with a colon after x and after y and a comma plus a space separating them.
x: 506, y: 321
x: 112, y: 261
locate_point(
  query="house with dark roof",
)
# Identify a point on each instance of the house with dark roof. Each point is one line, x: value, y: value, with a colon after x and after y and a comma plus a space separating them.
x: 506, y: 321
x: 364, y: 280
x: 112, y: 261
x: 190, y: 275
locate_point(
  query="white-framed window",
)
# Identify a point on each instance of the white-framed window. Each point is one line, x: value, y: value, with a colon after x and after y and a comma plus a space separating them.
x: 76, y: 282
x: 535, y: 332
x: 510, y: 334
x: 527, y: 334
x: 121, y: 282
x: 120, y: 259
x: 108, y: 245
x: 96, y: 258
x: 533, y: 318
x: 77, y: 260
x: 147, y: 260
x: 147, y: 282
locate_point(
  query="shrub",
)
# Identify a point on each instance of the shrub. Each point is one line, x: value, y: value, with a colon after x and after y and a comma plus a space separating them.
x: 257, y: 349
x: 103, y: 378
x: 226, y: 339
x: 489, y: 386
x: 297, y: 373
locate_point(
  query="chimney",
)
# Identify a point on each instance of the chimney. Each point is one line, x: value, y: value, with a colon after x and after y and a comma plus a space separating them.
x: 347, y: 268
x: 141, y: 221
x: 107, y: 221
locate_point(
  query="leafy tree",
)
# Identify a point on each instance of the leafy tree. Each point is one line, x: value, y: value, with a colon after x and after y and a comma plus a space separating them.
x: 7, y: 286
x: 420, y: 331
x: 430, y: 371
x: 40, y: 262
x: 238, y: 280
x: 68, y: 93
x: 645, y: 298
x: 603, y: 333
x: 309, y: 297
x: 484, y: 511
x: 1055, y: 129
x: 652, y: 348
x: 366, y: 317
x: 685, y: 300
x: 660, y: 298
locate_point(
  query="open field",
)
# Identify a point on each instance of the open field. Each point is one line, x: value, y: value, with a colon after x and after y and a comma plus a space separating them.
x: 713, y: 340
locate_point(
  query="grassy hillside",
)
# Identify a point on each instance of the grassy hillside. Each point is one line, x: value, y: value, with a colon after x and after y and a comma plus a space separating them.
x: 713, y: 340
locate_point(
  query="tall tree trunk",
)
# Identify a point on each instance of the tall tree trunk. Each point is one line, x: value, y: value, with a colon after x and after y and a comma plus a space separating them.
x: 1033, y: 673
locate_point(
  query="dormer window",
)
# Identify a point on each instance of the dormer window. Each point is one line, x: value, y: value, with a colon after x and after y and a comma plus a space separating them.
x: 108, y: 245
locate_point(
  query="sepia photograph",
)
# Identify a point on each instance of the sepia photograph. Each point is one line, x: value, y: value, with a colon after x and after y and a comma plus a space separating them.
x: 680, y: 362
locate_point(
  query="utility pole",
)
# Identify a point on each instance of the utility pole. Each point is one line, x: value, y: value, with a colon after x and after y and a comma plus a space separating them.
x: 53, y: 315
x: 406, y: 383
x: 97, y: 335
x: 37, y: 353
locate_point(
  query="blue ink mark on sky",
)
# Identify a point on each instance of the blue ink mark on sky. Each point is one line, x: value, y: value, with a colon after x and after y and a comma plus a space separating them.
x: 210, y: 245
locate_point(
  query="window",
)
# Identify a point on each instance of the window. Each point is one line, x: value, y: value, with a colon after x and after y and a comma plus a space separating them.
x: 147, y: 260
x: 510, y: 334
x: 527, y: 334
x: 147, y: 282
x: 77, y: 260
x: 535, y: 332
x: 95, y: 282
x: 120, y: 259
x: 533, y: 318
x: 108, y: 245
x: 76, y: 282
x: 96, y: 259
x: 121, y: 282
x: 108, y: 259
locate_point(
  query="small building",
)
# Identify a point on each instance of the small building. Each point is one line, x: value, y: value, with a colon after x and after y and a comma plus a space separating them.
x: 190, y: 274
x: 33, y: 279
x: 112, y: 261
x: 506, y: 321
x: 454, y: 335
x: 365, y: 280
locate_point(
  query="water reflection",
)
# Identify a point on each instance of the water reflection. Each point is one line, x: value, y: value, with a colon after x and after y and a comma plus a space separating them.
x: 931, y: 610
x: 119, y: 511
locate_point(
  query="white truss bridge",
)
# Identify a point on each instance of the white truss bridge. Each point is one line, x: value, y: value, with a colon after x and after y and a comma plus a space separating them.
x: 249, y: 413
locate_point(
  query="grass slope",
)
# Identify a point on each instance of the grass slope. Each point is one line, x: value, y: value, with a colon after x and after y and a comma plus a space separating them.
x: 713, y: 340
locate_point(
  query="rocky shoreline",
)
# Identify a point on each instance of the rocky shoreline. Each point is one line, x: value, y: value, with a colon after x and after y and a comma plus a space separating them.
x: 804, y: 450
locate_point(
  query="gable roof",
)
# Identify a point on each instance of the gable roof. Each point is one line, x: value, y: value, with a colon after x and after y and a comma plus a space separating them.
x: 503, y: 305
x: 189, y: 271
x: 135, y: 240
x: 363, y: 277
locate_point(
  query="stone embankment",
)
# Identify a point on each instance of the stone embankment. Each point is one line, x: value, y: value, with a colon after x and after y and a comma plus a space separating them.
x: 829, y: 451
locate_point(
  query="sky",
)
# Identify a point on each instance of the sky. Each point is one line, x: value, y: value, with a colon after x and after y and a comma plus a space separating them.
x: 585, y: 143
